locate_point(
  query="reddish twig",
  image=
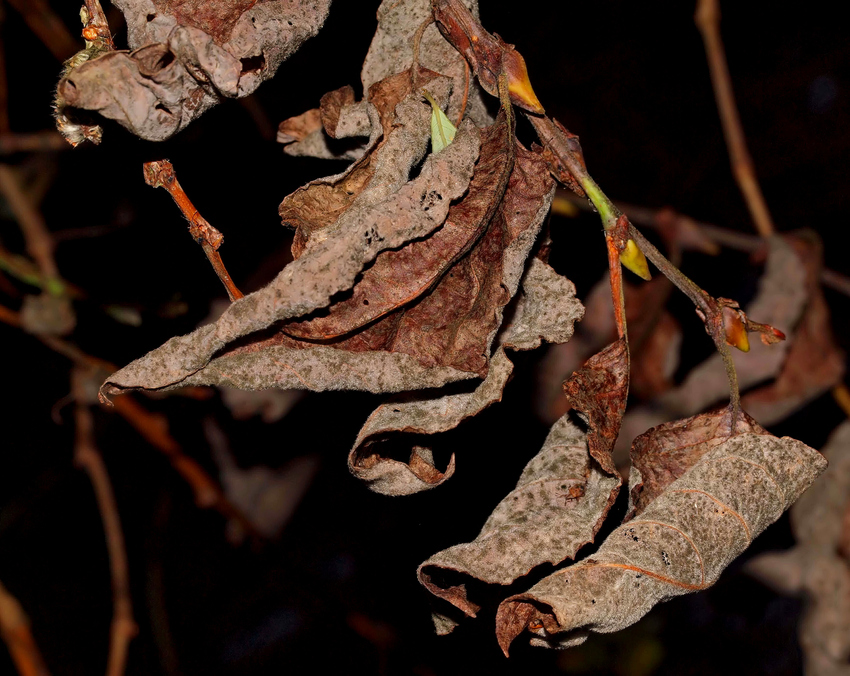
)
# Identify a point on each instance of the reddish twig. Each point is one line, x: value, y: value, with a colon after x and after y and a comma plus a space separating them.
x: 86, y: 456
x: 708, y: 22
x: 16, y: 634
x: 153, y: 427
x: 160, y: 174
x: 47, y: 26
x: 96, y: 28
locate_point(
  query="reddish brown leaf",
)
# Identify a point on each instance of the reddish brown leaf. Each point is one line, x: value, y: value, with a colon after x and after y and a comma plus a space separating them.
x: 598, y: 392
x: 557, y: 507
x: 398, y: 277
x: 186, y: 57
x: 331, y: 106
x: 546, y: 310
x: 679, y: 544
x: 664, y: 453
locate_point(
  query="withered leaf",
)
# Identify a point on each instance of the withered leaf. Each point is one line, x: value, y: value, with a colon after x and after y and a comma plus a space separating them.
x: 598, y: 392
x: 679, y: 544
x: 814, y: 362
x: 436, y: 413
x: 664, y: 453
x: 817, y: 567
x: 328, y: 267
x: 557, y: 507
x: 185, y: 57
x: 398, y: 277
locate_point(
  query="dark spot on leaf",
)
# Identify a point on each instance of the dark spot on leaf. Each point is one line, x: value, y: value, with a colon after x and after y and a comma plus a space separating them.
x: 150, y: 17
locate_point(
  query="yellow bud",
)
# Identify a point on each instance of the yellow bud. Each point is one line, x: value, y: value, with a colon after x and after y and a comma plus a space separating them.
x: 735, y: 328
x: 633, y: 259
x: 519, y: 86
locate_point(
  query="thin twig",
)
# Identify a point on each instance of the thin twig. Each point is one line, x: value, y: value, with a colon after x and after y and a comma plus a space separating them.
x: 16, y: 634
x: 648, y: 217
x: 86, y: 455
x: 39, y: 243
x: 153, y: 427
x: 96, y: 28
x: 466, y: 78
x: 708, y: 22
x: 47, y: 26
x: 417, y: 38
x: 160, y: 174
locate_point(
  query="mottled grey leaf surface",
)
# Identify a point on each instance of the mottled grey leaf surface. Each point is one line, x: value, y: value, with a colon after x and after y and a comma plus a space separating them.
x: 679, y: 544
x: 185, y: 57
x: 558, y: 505
x: 386, y: 218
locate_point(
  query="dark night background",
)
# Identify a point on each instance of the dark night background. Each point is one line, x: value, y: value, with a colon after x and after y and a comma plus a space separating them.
x: 337, y: 593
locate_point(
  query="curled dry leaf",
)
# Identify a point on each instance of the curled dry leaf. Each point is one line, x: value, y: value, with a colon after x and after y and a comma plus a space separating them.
x: 680, y: 543
x: 664, y: 453
x: 387, y: 219
x: 598, y: 392
x: 654, y: 341
x: 817, y: 568
x: 398, y: 277
x: 545, y: 296
x: 558, y: 506
x: 185, y: 57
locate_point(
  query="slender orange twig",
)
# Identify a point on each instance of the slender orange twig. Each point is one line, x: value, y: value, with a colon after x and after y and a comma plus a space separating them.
x: 161, y: 174
x: 16, y: 634
x: 86, y: 456
x: 708, y: 22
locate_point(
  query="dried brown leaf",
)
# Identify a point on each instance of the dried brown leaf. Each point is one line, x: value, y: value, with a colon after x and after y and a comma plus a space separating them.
x: 664, y: 453
x: 437, y: 412
x: 387, y: 219
x: 598, y: 392
x: 558, y: 505
x: 185, y: 57
x: 679, y: 544
x: 398, y: 277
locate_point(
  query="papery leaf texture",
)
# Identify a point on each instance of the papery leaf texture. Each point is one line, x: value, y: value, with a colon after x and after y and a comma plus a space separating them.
x: 680, y: 543
x: 186, y: 56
